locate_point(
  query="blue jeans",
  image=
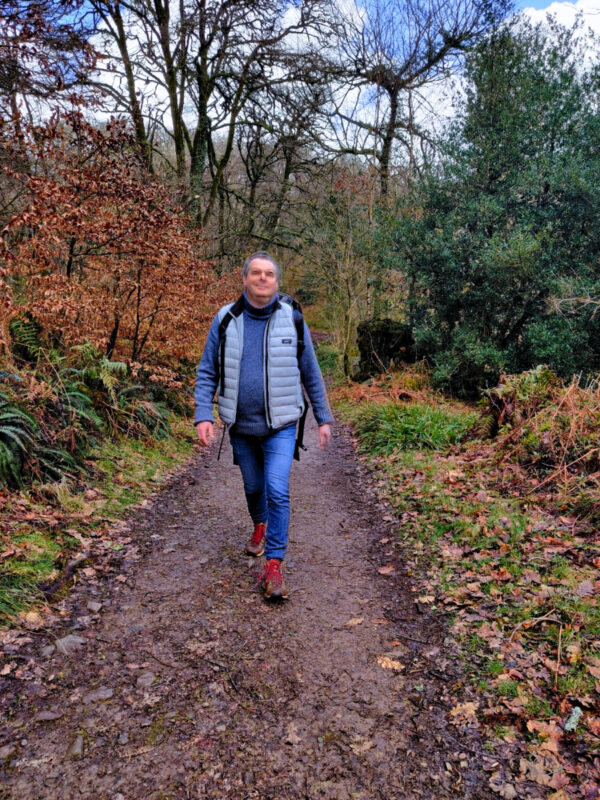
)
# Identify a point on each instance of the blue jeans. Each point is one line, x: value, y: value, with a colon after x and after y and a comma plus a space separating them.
x: 265, y: 462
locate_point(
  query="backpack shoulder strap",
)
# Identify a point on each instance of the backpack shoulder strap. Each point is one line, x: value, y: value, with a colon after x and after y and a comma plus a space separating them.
x: 234, y: 310
x: 298, y: 322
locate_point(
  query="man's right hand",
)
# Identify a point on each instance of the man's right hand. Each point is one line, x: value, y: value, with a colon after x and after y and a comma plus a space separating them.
x: 206, y: 433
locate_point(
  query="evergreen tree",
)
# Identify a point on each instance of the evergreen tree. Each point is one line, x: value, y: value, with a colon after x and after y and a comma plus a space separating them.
x: 506, y: 226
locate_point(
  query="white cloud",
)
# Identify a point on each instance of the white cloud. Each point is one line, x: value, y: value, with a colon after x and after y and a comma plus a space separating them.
x: 566, y: 13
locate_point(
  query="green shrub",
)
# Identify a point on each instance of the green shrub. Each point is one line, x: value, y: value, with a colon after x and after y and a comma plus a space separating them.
x: 469, y: 366
x: 330, y: 359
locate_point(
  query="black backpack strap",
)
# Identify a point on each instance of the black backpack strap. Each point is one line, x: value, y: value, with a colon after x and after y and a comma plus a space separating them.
x: 298, y: 322
x: 300, y: 431
x: 235, y: 310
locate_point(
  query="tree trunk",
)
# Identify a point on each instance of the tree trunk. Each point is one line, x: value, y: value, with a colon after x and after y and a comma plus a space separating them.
x: 161, y: 10
x: 134, y: 105
x: 388, y: 139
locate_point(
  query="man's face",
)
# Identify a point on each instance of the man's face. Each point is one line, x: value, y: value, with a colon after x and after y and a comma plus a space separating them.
x: 261, y: 282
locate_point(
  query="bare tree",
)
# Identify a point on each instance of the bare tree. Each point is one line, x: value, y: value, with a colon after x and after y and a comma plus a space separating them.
x: 244, y: 50
x: 393, y: 50
x: 193, y: 67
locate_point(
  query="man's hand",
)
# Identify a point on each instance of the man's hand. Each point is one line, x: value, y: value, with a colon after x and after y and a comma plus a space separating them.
x: 206, y: 433
x: 324, y: 436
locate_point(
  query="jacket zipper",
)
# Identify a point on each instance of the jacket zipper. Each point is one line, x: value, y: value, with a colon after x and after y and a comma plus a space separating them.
x: 266, y: 349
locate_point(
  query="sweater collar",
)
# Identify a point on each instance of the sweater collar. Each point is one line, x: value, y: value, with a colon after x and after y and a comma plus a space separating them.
x: 265, y: 311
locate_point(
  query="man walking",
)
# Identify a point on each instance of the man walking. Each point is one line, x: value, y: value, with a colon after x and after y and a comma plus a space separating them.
x: 257, y: 356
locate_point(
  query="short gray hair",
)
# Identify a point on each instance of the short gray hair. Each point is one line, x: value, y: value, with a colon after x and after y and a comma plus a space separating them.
x: 266, y: 257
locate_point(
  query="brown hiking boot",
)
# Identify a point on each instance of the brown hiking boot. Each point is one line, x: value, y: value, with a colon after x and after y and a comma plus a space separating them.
x: 272, y: 581
x: 256, y: 543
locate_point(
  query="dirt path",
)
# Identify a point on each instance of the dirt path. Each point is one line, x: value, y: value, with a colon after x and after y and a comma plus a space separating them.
x: 185, y: 683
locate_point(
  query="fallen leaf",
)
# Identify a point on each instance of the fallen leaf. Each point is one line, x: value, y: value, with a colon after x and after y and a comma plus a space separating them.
x: 593, y: 725
x: 33, y: 620
x: 501, y: 574
x: 545, y: 773
x: 426, y: 598
x: 585, y: 589
x: 549, y: 732
x: 498, y: 785
x: 355, y: 621
x: 388, y: 570
x: 574, y: 653
x: 389, y: 663
x: 595, y: 671
x: 292, y: 736
x: 464, y: 711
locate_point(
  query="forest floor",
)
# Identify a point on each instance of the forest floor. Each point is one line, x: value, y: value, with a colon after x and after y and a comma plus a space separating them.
x: 164, y: 674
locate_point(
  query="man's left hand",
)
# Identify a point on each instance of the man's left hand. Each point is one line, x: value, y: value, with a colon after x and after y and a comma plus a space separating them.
x: 324, y: 436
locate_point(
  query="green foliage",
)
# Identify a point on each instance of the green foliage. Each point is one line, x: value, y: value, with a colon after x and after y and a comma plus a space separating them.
x: 25, y: 335
x: 25, y: 451
x: 505, y: 225
x: 68, y: 403
x: 143, y: 415
x: 32, y: 565
x: 97, y: 371
x: 385, y: 427
x: 467, y: 365
x: 17, y: 441
x: 330, y: 360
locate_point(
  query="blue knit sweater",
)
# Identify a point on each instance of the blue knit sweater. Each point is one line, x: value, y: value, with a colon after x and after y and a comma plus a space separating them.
x: 250, y: 418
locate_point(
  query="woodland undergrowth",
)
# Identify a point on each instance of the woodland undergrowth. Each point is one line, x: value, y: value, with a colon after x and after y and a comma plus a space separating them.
x: 82, y: 438
x: 497, y: 524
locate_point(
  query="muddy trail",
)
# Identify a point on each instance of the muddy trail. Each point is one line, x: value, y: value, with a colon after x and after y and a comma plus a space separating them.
x: 166, y: 674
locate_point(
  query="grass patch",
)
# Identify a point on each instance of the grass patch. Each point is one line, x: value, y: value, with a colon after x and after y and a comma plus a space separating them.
x: 128, y: 470
x: 33, y: 563
x: 383, y: 428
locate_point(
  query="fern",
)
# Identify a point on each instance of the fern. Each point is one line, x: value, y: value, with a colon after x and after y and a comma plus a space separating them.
x: 17, y: 441
x: 96, y: 371
x: 80, y: 405
x: 109, y: 376
x: 25, y: 334
x: 10, y: 466
x: 147, y: 416
x: 55, y: 464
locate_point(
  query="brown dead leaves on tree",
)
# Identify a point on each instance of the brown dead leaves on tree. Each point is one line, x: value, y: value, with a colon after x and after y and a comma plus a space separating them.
x: 97, y: 250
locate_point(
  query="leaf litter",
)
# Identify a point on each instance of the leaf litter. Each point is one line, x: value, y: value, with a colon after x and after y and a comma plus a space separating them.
x: 513, y: 561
